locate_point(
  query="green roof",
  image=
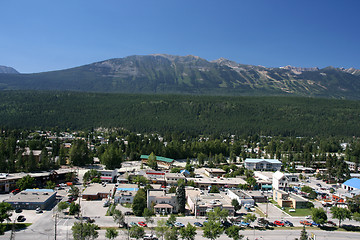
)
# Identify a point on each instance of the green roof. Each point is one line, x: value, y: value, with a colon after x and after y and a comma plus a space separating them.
x: 162, y: 159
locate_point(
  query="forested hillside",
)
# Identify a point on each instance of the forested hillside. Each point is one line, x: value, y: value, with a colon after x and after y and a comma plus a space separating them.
x: 168, y: 74
x: 287, y: 116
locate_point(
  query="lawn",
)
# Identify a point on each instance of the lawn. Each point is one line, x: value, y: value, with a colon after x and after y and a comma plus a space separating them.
x: 298, y: 212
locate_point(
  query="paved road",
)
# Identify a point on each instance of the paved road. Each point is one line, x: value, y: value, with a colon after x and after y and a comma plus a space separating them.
x: 252, y: 235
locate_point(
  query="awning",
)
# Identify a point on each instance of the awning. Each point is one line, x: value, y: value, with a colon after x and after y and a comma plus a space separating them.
x: 107, y: 178
x: 163, y: 205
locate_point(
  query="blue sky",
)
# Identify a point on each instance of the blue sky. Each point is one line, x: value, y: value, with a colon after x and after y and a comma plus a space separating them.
x: 43, y: 35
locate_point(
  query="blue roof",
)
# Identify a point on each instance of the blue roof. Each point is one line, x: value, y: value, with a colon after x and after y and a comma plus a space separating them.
x: 39, y: 190
x: 185, y: 171
x: 353, y: 182
x: 256, y: 160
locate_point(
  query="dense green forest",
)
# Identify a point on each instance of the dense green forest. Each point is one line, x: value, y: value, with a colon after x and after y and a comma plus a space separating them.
x: 269, y: 116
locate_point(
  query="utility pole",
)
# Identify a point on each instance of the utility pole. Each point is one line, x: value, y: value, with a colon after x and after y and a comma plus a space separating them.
x: 55, y: 225
x: 12, y: 236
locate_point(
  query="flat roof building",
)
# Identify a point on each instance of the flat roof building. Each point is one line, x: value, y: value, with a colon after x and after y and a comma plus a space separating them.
x: 262, y: 164
x: 33, y: 198
x: 97, y: 191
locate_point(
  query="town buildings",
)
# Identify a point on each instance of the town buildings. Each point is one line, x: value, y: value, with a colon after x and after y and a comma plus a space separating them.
x: 262, y: 164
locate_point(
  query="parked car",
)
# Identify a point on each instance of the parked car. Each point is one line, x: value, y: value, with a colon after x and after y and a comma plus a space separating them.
x: 18, y: 210
x: 226, y: 224
x: 15, y: 191
x: 308, y: 217
x: 150, y: 237
x: 331, y: 223
x: 244, y: 224
x: 142, y: 224
x: 179, y: 224
x: 315, y: 224
x: 133, y: 224
x: 288, y: 223
x: 38, y: 210
x: 21, y: 218
x: 278, y: 223
x: 106, y: 204
x: 129, y: 213
x: 306, y: 223
x: 263, y: 222
x: 197, y: 224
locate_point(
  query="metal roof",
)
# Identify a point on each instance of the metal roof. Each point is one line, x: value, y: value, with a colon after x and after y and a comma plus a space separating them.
x: 353, y: 182
x: 257, y: 160
x: 162, y: 159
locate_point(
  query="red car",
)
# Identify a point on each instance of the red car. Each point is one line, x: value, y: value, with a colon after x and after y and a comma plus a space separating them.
x: 142, y: 224
x: 278, y: 223
x: 307, y: 223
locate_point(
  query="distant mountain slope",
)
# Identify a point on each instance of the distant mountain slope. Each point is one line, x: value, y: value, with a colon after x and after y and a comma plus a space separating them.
x: 9, y: 70
x: 160, y: 73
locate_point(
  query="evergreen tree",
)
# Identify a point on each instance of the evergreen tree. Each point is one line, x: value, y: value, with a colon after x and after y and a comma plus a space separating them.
x: 303, y: 234
x: 181, y: 197
x: 139, y: 202
x: 112, y: 157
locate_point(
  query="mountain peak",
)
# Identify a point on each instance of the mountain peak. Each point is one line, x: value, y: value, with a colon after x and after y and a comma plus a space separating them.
x: 8, y: 70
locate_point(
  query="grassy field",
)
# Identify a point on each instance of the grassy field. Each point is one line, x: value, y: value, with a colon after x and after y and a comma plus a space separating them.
x: 298, y: 212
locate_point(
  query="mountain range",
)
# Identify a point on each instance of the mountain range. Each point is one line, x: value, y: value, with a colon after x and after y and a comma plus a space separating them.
x: 161, y: 73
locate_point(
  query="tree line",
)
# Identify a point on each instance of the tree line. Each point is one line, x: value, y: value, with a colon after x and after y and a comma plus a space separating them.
x: 194, y: 115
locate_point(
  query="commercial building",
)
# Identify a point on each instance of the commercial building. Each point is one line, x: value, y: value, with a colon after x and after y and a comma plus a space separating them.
x: 351, y: 184
x: 200, y: 203
x: 33, y: 198
x: 282, y: 181
x: 213, y: 172
x: 97, y: 191
x: 241, y: 197
x: 173, y: 178
x: 8, y: 180
x: 161, y: 161
x: 125, y: 193
x: 108, y: 176
x: 162, y: 202
x: 262, y: 164
x: 205, y: 183
x: 285, y: 199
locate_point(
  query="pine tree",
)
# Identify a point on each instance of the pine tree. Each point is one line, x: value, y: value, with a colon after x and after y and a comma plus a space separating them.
x: 181, y: 197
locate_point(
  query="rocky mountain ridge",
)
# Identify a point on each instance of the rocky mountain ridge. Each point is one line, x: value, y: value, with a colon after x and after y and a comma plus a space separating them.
x: 163, y: 73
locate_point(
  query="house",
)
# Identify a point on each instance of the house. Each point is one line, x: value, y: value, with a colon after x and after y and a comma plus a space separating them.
x: 262, y: 164
x: 162, y: 202
x: 97, y: 191
x: 285, y: 199
x: 283, y: 181
x: 214, y: 172
x: 33, y: 198
x: 351, y: 184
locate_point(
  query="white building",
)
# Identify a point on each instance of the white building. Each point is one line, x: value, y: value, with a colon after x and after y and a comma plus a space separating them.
x: 163, y: 203
x: 241, y: 197
x: 125, y: 193
x: 108, y: 175
x: 262, y: 164
x: 283, y: 181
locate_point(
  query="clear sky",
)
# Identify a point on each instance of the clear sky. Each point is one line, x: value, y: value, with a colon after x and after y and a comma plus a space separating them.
x: 43, y: 35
